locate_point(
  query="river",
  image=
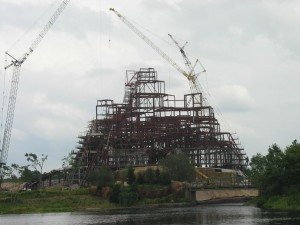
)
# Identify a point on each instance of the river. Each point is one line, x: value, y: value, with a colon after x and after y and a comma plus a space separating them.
x: 231, y: 214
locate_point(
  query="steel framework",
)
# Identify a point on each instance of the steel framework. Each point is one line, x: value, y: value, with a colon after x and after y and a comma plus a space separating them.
x: 151, y: 124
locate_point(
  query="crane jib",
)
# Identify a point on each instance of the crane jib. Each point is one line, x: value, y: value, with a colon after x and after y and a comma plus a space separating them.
x: 14, y: 85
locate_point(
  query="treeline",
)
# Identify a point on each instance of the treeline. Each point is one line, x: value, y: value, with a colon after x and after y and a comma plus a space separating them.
x: 28, y: 173
x: 277, y: 176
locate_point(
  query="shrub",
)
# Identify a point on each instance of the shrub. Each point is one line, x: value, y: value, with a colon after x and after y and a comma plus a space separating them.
x: 149, y: 176
x: 114, y: 195
x: 164, y: 178
x: 101, y: 178
x: 140, y: 179
x: 130, y: 175
x: 127, y: 198
x: 179, y: 167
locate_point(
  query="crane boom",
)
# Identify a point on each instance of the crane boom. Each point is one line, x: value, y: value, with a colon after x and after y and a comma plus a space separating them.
x: 189, y: 74
x: 192, y: 76
x: 150, y: 43
x: 17, y: 63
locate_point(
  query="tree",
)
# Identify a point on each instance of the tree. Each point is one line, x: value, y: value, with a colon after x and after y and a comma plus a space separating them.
x: 179, y: 167
x: 37, y: 163
x: 67, y: 161
x: 102, y: 178
x: 130, y: 175
x: 292, y: 166
x: 12, y: 172
x: 28, y: 175
x: 149, y: 176
x: 157, y: 175
x: 258, y: 169
x: 277, y: 173
x: 165, y: 178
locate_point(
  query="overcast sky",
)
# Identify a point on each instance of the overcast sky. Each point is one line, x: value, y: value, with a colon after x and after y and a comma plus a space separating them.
x: 250, y: 49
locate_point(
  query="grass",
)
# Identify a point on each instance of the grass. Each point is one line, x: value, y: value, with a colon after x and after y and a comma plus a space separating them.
x: 43, y: 201
x: 284, y: 202
x: 50, y: 201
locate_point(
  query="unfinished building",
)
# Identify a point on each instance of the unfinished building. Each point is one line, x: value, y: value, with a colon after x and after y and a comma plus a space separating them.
x: 149, y: 125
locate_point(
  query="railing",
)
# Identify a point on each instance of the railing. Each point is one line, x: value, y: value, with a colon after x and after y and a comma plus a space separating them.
x: 228, y: 182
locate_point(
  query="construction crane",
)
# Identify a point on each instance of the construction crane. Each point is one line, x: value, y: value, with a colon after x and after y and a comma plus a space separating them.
x: 17, y: 63
x: 189, y: 73
x: 193, y: 81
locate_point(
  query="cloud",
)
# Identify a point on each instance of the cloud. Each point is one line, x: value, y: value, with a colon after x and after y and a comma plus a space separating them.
x: 234, y: 98
x: 52, y: 128
x: 250, y: 49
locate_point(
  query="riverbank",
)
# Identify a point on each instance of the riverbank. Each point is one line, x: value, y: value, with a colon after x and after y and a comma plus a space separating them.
x: 281, y: 203
x: 50, y: 201
x: 70, y: 201
x: 46, y: 201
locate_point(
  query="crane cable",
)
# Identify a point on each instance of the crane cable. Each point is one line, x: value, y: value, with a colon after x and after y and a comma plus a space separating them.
x: 6, y: 64
x: 32, y: 26
x: 3, y: 99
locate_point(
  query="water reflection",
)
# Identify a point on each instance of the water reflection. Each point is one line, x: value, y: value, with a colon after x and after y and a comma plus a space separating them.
x: 233, y: 214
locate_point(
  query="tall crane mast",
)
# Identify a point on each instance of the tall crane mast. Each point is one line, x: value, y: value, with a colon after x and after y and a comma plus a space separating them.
x: 189, y: 73
x: 17, y: 63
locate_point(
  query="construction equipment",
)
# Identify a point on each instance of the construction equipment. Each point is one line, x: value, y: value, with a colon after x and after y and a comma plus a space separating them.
x: 192, y: 76
x: 189, y: 73
x: 17, y: 63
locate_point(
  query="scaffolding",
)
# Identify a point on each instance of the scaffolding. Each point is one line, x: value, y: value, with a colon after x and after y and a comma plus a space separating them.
x: 149, y: 125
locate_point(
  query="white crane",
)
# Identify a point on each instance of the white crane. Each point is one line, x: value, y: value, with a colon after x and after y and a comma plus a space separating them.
x: 189, y: 73
x: 17, y: 63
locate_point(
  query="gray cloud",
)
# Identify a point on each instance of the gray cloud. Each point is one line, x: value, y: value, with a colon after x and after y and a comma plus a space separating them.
x: 249, y: 48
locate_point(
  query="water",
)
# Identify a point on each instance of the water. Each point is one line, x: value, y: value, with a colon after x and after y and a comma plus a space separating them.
x: 231, y: 214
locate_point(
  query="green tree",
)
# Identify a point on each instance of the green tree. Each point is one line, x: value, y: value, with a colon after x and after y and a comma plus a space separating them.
x: 140, y: 178
x: 12, y: 172
x: 149, y: 176
x: 102, y: 178
x: 157, y: 175
x: 28, y: 175
x: 292, y: 166
x: 36, y: 163
x: 179, y: 167
x: 258, y: 169
x: 114, y: 195
x: 67, y: 161
x: 274, y: 174
x: 278, y: 171
x: 165, y: 178
x: 130, y: 175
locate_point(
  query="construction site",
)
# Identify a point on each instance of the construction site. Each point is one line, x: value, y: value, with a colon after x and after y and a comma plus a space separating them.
x: 149, y: 125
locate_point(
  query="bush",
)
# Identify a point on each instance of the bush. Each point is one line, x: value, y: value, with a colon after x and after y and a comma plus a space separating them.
x: 179, y: 167
x: 101, y: 178
x: 130, y: 175
x: 164, y: 178
x: 114, y: 195
x: 140, y: 179
x: 149, y: 176
x: 127, y: 198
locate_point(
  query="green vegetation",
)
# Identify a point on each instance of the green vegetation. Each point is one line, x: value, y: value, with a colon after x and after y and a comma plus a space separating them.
x: 37, y: 163
x: 179, y: 167
x: 101, y: 178
x: 16, y: 173
x: 108, y: 189
x: 147, y: 184
x: 50, y: 201
x: 277, y: 176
